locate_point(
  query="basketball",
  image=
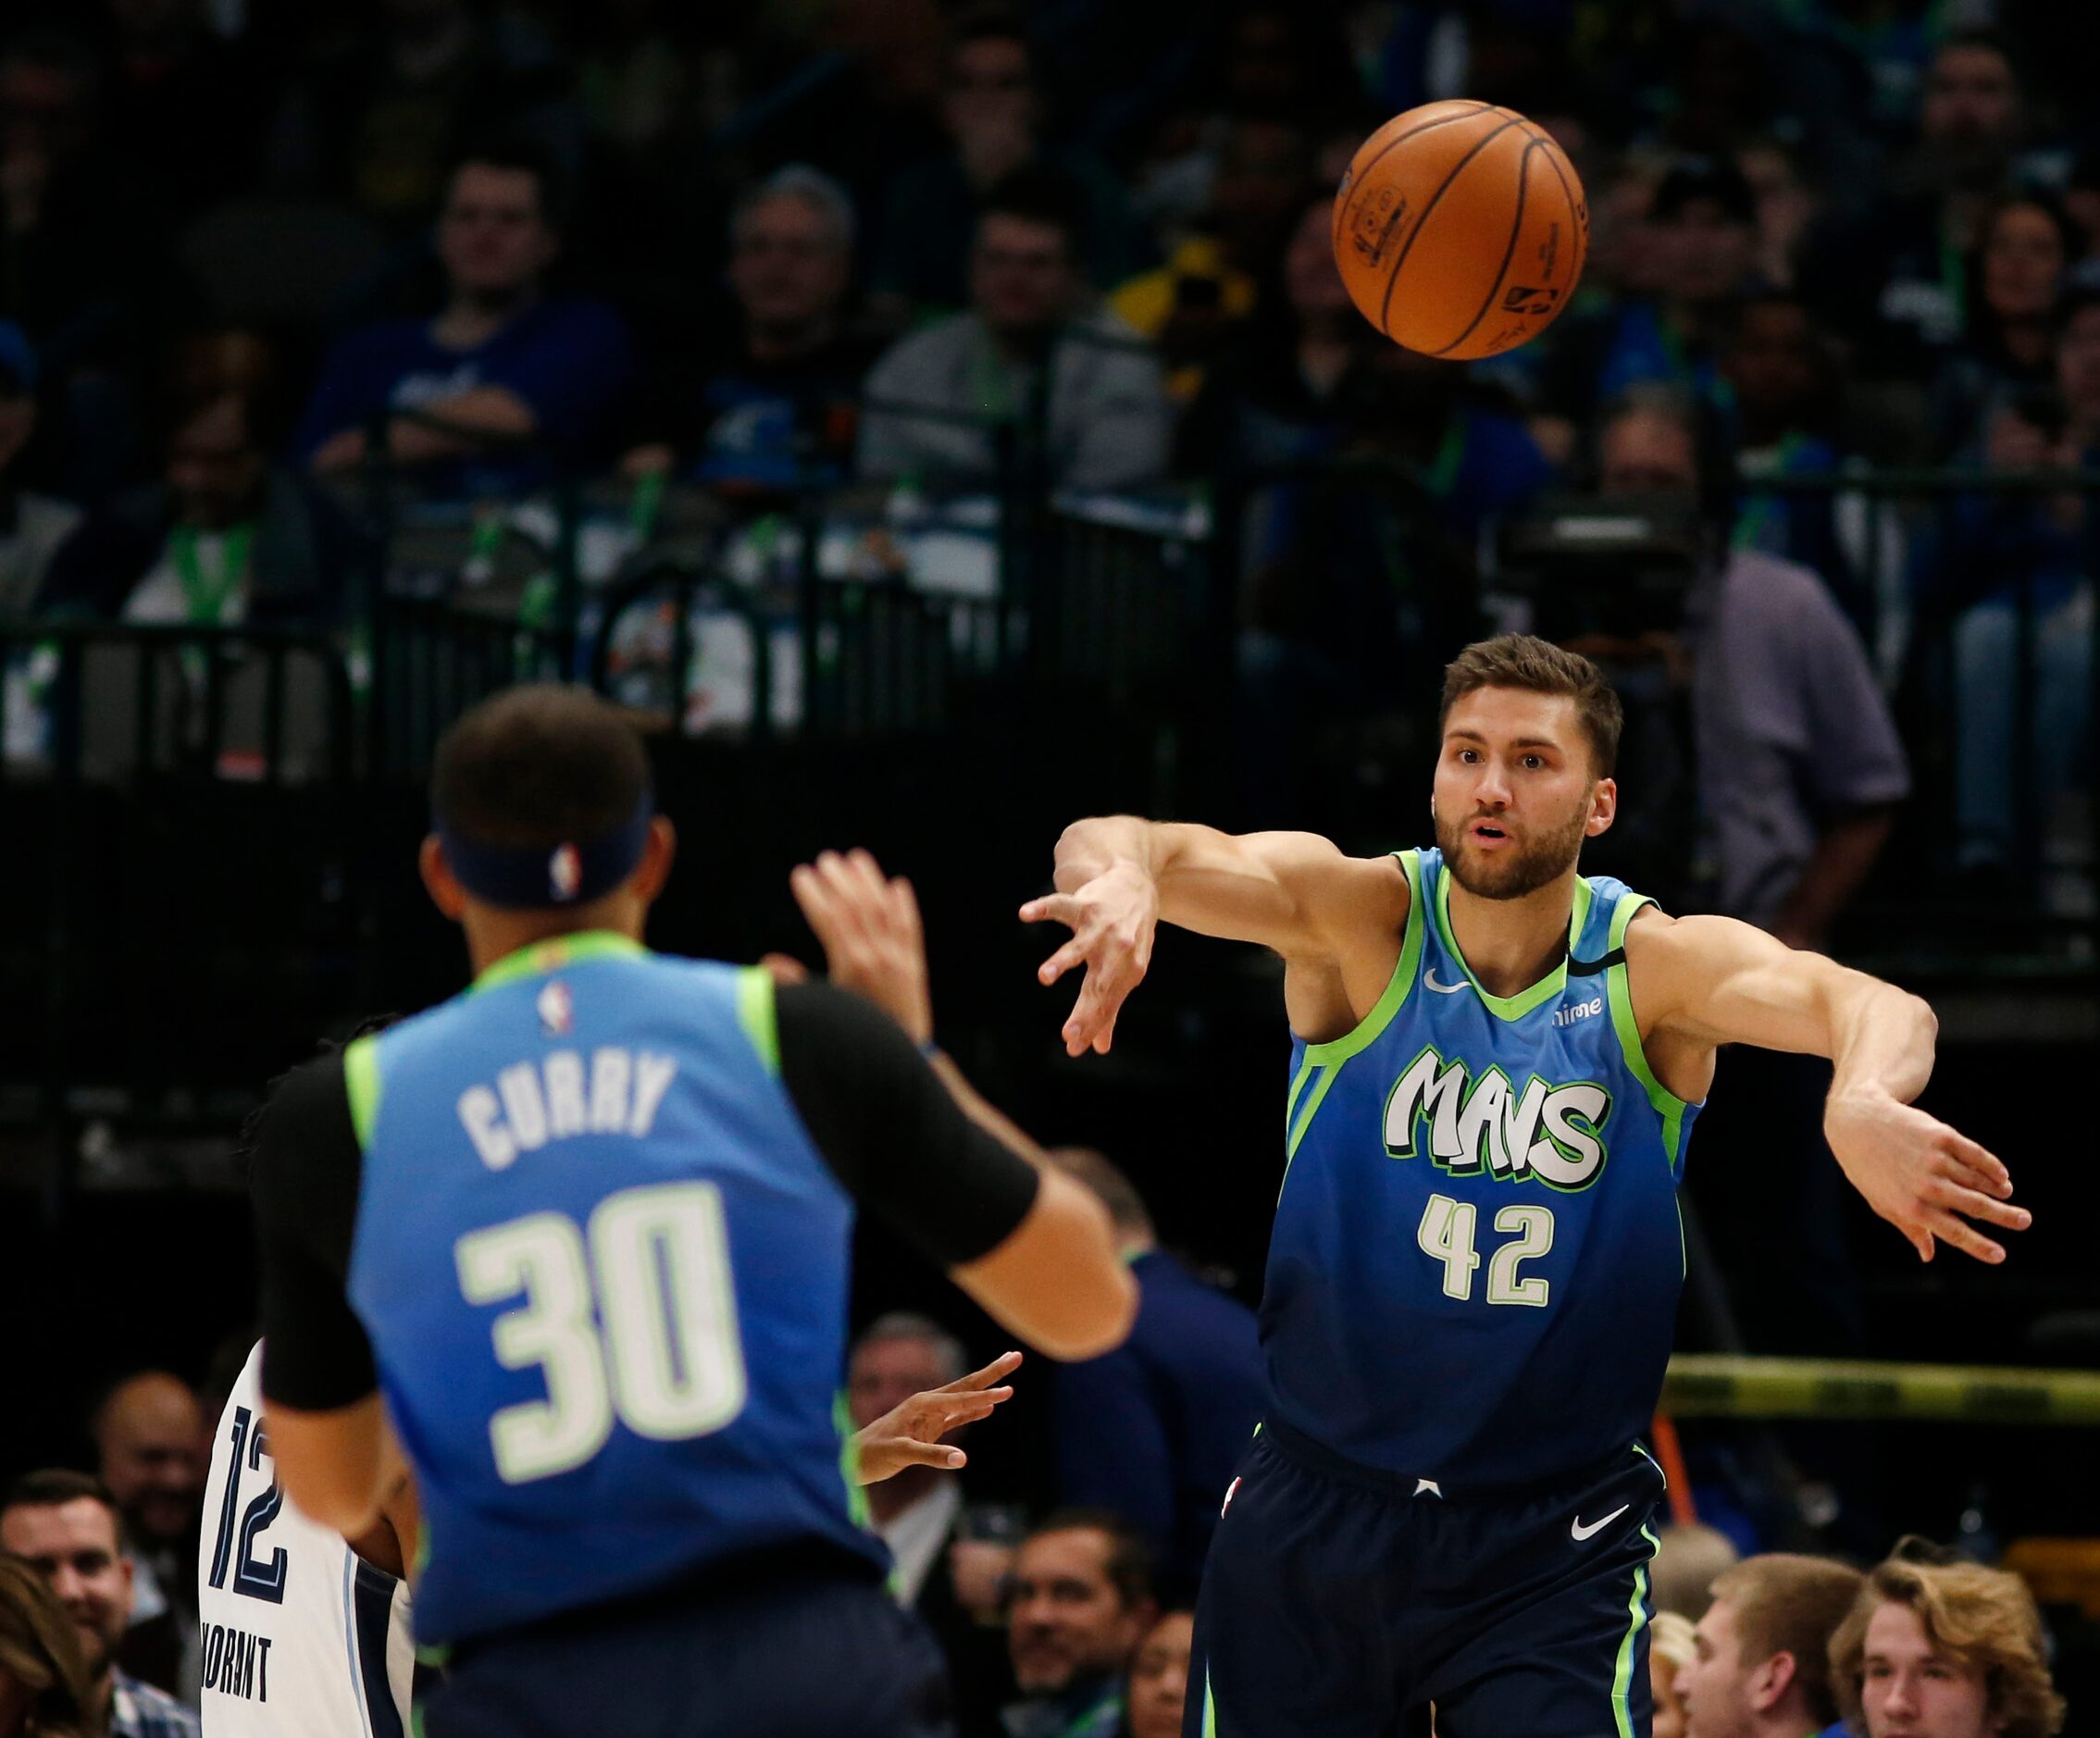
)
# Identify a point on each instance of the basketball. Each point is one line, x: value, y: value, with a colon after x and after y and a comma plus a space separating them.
x: 1460, y: 229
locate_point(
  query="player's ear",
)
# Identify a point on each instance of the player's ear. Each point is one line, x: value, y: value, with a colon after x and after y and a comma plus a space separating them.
x: 1604, y: 807
x: 439, y: 881
x: 657, y: 853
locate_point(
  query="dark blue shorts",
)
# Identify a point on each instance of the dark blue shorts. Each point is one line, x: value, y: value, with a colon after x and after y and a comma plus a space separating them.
x: 1339, y: 1602
x: 784, y: 1659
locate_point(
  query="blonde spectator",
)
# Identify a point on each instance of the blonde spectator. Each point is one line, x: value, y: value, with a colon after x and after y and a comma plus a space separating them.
x: 1946, y: 1651
x: 1672, y: 1645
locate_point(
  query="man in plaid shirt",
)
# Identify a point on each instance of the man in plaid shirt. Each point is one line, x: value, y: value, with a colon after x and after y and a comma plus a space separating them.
x: 65, y: 1525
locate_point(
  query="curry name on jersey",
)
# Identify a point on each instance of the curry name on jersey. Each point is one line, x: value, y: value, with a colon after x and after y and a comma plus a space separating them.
x: 1477, y: 1254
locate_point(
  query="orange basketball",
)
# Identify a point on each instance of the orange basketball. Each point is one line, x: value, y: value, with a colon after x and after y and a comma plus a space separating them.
x: 1460, y: 229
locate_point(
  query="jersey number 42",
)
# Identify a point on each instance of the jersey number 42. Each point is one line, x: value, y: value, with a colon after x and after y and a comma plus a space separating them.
x: 632, y: 1316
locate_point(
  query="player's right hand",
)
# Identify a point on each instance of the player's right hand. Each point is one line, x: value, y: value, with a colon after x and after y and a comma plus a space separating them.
x: 1112, y: 919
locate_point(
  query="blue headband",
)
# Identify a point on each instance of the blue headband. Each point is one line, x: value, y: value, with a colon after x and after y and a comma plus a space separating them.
x: 537, y: 877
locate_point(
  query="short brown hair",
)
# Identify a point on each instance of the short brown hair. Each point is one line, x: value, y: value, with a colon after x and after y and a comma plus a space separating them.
x: 1129, y: 1562
x: 532, y: 767
x: 1985, y: 1618
x: 1104, y: 1180
x: 1787, y: 1604
x: 1538, y: 666
x: 54, y: 1488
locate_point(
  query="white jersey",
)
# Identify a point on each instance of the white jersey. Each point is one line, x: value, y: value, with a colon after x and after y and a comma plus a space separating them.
x: 302, y: 1637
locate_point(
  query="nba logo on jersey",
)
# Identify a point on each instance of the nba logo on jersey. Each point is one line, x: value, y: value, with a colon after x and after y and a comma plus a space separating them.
x: 557, y: 1010
x: 565, y: 874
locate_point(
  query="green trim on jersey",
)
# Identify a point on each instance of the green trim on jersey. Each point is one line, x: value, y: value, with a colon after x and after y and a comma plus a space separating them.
x: 1331, y: 1055
x: 1514, y: 1007
x: 361, y: 1079
x: 1623, y: 1678
x: 757, y: 1010
x: 542, y: 957
x: 850, y: 1460
x: 1210, y: 1707
x: 1668, y: 1105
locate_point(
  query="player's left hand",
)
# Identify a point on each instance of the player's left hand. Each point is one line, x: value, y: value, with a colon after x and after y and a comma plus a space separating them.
x: 909, y: 1434
x: 1926, y: 1179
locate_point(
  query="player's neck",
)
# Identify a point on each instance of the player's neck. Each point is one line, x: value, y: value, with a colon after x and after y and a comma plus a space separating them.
x: 1511, y: 944
x: 493, y: 936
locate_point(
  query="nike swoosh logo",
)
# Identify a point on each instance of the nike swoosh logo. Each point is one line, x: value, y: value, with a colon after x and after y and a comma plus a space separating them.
x: 1429, y: 982
x: 1580, y: 1533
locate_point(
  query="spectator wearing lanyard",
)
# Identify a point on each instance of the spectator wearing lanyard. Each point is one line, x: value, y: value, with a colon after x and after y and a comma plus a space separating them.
x: 225, y: 538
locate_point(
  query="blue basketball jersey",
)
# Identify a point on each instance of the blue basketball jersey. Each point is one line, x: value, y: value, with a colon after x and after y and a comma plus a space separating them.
x: 1477, y: 1254
x: 604, y: 1270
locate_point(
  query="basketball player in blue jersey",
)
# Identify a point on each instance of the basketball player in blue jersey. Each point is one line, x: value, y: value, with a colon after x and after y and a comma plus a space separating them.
x: 1473, y: 1275
x: 572, y: 1250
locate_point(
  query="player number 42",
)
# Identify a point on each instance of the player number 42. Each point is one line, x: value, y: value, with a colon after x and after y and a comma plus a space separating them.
x: 1447, y: 1233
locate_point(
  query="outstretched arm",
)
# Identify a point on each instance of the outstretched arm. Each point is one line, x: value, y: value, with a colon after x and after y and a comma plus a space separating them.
x: 1702, y: 982
x: 1118, y: 877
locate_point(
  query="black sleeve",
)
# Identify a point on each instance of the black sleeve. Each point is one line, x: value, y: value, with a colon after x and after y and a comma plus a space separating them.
x: 889, y: 1131
x: 304, y: 1168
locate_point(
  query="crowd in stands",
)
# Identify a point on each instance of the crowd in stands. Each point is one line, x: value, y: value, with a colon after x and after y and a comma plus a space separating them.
x: 250, y: 249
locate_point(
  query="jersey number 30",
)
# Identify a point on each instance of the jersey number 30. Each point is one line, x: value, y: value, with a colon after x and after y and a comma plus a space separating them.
x: 632, y: 1317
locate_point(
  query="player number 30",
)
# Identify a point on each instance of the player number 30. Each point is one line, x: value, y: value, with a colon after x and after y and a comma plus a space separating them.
x: 631, y: 1317
x: 1447, y: 1233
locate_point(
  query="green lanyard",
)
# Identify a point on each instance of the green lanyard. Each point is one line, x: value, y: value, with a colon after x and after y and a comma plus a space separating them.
x: 205, y: 597
x: 1763, y: 511
x: 1442, y: 475
x: 1100, y: 1717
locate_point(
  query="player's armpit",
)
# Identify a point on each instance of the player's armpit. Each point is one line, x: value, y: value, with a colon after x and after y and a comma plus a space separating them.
x: 1057, y: 1282
x: 336, y: 1466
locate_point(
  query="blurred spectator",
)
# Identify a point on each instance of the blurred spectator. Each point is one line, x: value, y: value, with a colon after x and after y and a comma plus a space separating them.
x: 633, y: 76
x: 43, y: 1688
x: 777, y: 401
x: 503, y: 359
x: 1894, y: 271
x: 185, y: 99
x: 149, y: 1436
x: 994, y: 112
x: 1762, y: 1668
x: 1799, y: 762
x: 2023, y: 243
x: 1159, y: 1678
x: 2005, y: 555
x: 1152, y: 1430
x: 65, y: 1526
x: 1081, y: 1602
x: 32, y: 526
x: 1784, y: 381
x: 227, y: 537
x: 2082, y: 206
x: 1086, y: 399
x: 1192, y: 305
x: 377, y: 122
x: 914, y: 1511
x: 77, y: 236
x: 1949, y: 1650
x: 1672, y: 1646
x: 1688, y: 1559
x: 1703, y: 241
x: 1280, y: 395
x: 1785, y: 207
